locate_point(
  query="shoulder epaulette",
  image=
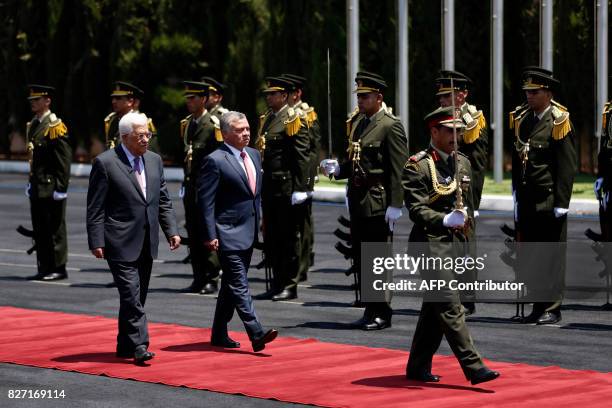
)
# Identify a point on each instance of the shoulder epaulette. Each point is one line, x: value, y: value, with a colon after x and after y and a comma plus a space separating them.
x: 349, y: 121
x: 217, y: 123
x: 475, y: 122
x: 56, y: 127
x: 293, y: 122
x: 561, y: 123
x: 109, y: 117
x: 387, y: 109
x: 311, y: 115
x: 513, y: 116
x: 604, y: 116
x: 558, y: 105
x: 151, y: 126
x: 222, y: 110
x: 418, y: 156
x: 184, y: 123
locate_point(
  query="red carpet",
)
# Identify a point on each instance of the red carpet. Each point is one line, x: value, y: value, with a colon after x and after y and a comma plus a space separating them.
x: 295, y: 370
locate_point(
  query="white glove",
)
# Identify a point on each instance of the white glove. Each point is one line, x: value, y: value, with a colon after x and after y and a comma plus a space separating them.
x: 298, y: 197
x: 57, y: 196
x: 597, y: 188
x: 476, y: 214
x: 455, y: 219
x: 560, y: 212
x: 330, y: 167
x: 28, y: 189
x: 182, y: 192
x: 393, y: 214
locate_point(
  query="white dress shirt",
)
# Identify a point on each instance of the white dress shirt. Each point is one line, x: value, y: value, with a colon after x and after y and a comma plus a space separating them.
x: 236, y: 154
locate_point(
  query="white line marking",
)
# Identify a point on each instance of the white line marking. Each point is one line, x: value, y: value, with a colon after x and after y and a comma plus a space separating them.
x: 34, y: 266
x: 23, y: 252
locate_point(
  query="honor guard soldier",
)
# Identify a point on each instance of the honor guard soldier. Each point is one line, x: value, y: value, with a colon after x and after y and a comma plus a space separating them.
x: 544, y: 163
x: 201, y: 135
x: 603, y: 184
x: 122, y: 100
x: 377, y: 154
x: 307, y: 113
x: 284, y: 143
x: 50, y: 155
x: 474, y: 143
x: 430, y: 182
x: 215, y: 96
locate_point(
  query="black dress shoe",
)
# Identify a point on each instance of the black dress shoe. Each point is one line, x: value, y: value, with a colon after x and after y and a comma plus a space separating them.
x: 209, y: 289
x: 378, y: 323
x: 483, y: 375
x: 225, y: 343
x: 260, y: 343
x: 531, y: 318
x: 38, y: 276
x: 423, y: 377
x: 549, y: 318
x: 192, y: 289
x: 266, y: 295
x: 286, y: 294
x: 55, y: 276
x: 470, y: 308
x: 362, y: 321
x: 141, y: 354
x: 124, y: 354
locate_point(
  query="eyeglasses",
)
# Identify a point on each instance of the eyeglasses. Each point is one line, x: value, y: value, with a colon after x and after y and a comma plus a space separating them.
x: 141, y: 136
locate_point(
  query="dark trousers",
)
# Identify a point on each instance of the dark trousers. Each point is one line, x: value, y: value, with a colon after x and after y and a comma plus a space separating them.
x: 204, y: 263
x: 49, y: 229
x: 369, y: 229
x: 132, y: 280
x: 282, y: 241
x: 234, y: 294
x: 437, y: 320
x: 544, y: 227
x: 306, y: 231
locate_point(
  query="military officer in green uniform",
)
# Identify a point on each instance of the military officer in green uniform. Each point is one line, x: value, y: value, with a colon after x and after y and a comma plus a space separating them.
x: 474, y: 143
x: 430, y: 182
x: 377, y: 154
x: 284, y: 143
x: 122, y: 100
x: 201, y: 135
x: 215, y: 96
x: 544, y: 163
x: 307, y: 114
x: 603, y: 184
x: 50, y: 156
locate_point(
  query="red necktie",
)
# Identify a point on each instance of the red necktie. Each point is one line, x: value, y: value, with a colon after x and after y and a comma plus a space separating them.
x: 249, y: 171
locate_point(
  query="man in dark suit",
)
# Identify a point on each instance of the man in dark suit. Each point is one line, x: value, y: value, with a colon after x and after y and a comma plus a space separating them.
x: 127, y: 200
x: 228, y: 197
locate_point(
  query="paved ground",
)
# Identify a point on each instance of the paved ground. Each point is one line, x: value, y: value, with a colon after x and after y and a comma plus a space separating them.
x: 582, y: 341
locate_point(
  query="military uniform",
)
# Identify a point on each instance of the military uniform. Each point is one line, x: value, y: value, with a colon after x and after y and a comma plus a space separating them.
x: 474, y: 143
x: 309, y: 116
x: 604, y: 174
x: 377, y: 153
x: 201, y: 136
x: 430, y: 185
x: 111, y: 121
x: 544, y: 163
x: 50, y: 158
x: 215, y: 87
x: 284, y: 143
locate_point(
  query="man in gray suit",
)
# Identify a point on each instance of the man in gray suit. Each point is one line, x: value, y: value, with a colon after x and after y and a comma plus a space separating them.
x: 127, y: 201
x: 228, y: 197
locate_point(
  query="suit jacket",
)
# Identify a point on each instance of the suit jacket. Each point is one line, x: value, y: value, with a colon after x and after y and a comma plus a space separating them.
x: 118, y: 213
x: 230, y: 211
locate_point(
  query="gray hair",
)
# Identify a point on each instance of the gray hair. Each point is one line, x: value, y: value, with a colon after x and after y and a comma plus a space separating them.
x: 131, y: 119
x: 227, y: 119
